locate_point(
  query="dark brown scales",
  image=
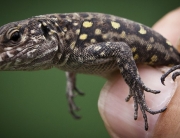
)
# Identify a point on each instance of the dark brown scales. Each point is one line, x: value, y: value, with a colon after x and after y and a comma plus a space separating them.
x: 91, y: 43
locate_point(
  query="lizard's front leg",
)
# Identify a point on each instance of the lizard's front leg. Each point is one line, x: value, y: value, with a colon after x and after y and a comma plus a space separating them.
x: 121, y: 53
x: 70, y: 93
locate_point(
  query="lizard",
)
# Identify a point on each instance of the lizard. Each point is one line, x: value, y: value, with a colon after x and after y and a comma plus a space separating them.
x: 89, y: 43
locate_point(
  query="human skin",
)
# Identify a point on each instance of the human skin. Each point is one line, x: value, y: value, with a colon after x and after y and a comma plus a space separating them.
x: 118, y: 114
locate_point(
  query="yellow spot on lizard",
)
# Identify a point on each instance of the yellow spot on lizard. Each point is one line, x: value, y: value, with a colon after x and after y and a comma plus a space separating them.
x: 169, y: 43
x: 87, y: 24
x: 72, y: 45
x: 77, y: 31
x: 151, y: 39
x: 105, y: 36
x: 93, y: 40
x: 142, y: 30
x: 149, y: 47
x: 83, y: 36
x: 123, y: 34
x: 154, y: 58
x: 97, y: 31
x: 136, y: 56
x: 115, y: 25
x: 133, y: 49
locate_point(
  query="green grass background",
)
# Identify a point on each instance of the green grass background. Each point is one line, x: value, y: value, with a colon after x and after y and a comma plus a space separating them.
x: 33, y: 104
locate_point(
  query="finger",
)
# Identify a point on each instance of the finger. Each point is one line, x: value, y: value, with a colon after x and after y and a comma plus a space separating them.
x: 169, y: 26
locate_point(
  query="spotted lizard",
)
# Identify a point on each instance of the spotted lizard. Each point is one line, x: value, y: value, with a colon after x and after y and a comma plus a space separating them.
x: 90, y: 43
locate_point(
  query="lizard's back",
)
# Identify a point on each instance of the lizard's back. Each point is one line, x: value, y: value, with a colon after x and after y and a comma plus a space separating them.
x: 143, y: 41
x: 147, y: 46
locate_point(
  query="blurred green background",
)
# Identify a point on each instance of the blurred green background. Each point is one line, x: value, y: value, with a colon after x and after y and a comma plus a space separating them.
x: 33, y: 104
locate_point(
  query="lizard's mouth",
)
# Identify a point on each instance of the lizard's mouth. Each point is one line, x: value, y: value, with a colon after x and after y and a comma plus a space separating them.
x: 34, y: 57
x: 12, y: 58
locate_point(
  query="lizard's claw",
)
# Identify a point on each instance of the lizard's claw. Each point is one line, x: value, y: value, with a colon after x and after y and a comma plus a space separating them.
x: 175, y: 74
x: 163, y: 79
x: 78, y: 91
x: 170, y: 71
x: 72, y: 105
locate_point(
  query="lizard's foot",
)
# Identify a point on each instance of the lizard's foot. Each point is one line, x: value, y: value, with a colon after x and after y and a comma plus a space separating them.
x: 175, y: 74
x: 139, y: 99
x: 71, y: 92
x: 72, y: 106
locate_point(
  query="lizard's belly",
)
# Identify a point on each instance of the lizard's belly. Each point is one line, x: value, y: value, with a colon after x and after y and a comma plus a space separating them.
x: 103, y: 69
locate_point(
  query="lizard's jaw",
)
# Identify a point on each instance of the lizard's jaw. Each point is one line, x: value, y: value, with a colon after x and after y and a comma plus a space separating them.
x: 27, y: 58
x: 12, y: 58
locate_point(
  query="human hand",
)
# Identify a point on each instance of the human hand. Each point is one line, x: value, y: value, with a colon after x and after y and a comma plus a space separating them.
x: 118, y: 114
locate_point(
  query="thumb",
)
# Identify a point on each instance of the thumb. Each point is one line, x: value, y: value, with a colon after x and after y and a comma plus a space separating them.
x: 118, y: 114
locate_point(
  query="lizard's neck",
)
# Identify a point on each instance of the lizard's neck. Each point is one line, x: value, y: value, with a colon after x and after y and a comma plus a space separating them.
x: 67, y: 32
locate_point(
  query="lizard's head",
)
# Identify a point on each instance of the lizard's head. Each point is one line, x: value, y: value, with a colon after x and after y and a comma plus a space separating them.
x: 26, y: 45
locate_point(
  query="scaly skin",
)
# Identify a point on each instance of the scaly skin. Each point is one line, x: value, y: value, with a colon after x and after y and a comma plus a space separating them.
x: 90, y: 43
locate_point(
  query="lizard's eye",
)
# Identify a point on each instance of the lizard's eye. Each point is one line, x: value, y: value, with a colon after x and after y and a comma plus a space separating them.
x: 14, y: 35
